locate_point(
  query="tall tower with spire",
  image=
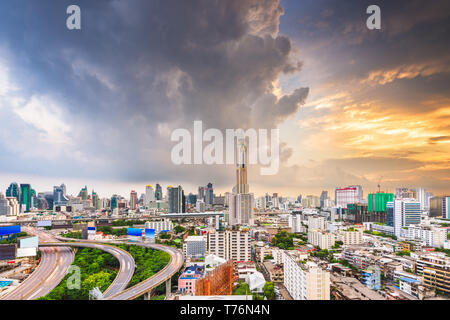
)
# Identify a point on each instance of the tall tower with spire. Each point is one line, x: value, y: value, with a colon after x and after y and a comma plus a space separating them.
x: 241, y: 168
x: 241, y: 202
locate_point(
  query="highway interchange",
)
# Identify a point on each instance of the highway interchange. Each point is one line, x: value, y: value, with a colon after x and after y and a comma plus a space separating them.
x: 56, y: 258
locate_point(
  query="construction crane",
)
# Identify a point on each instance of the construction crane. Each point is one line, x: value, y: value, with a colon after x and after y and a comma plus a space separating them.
x: 379, y: 186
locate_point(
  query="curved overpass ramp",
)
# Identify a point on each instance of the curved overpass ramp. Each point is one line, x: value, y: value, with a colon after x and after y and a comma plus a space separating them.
x: 175, y: 263
x: 126, y: 261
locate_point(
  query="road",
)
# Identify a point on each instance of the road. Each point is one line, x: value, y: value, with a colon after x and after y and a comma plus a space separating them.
x: 127, y: 264
x: 49, y: 273
x: 175, y: 263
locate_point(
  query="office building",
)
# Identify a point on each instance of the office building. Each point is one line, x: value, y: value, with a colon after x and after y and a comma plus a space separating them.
x: 446, y: 207
x: 133, y: 200
x: 305, y: 280
x: 25, y: 196
x: 176, y: 197
x: 436, y: 206
x: 406, y: 212
x: 149, y: 195
x: 323, y: 197
x: 158, y: 192
x: 230, y: 245
x: 158, y: 226
x: 390, y: 213
x: 348, y: 195
x: 13, y: 191
x: 3, y: 205
x: 83, y: 193
x: 195, y: 247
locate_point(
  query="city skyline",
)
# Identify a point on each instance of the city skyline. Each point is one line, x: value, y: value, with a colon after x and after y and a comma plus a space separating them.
x: 97, y: 107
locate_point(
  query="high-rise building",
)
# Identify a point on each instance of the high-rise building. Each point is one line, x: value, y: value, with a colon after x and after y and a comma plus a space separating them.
x: 436, y: 206
x: 377, y: 201
x: 406, y: 212
x: 323, y: 197
x: 149, y: 195
x: 25, y: 196
x: 3, y: 205
x: 305, y: 280
x: 241, y: 202
x: 230, y: 245
x: 158, y: 192
x: 241, y: 169
x: 321, y: 239
x: 133, y: 200
x: 96, y: 203
x: 176, y: 203
x: 114, y: 202
x: 13, y: 191
x: 390, y: 213
x: 83, y: 193
x: 201, y: 193
x: 194, y: 247
x: 209, y: 195
x: 59, y: 196
x: 446, y: 207
x: 348, y: 195
x: 192, y: 199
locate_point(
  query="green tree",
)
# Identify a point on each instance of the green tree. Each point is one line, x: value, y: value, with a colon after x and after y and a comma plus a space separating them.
x: 269, y: 290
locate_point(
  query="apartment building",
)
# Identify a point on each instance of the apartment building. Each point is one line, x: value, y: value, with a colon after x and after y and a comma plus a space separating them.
x: 427, y: 235
x: 230, y: 245
x: 435, y: 269
x: 322, y: 239
x: 305, y: 280
x: 317, y: 222
x: 351, y: 236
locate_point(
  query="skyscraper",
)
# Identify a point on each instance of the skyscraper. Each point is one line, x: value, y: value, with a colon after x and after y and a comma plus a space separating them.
x: 158, y: 192
x: 323, y: 197
x: 149, y: 195
x: 348, y: 195
x: 25, y: 196
x: 96, y: 201
x: 406, y: 212
x: 446, y: 207
x: 13, y: 191
x: 209, y: 194
x: 83, y: 193
x: 133, y: 199
x: 175, y: 196
x: 241, y: 202
x: 241, y: 168
x: 59, y: 196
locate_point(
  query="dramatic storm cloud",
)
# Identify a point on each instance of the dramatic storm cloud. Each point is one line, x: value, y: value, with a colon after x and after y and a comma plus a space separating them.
x: 102, y: 102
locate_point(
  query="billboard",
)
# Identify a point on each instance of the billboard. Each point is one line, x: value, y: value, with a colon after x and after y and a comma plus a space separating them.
x: 31, y: 242
x: 7, y: 230
x: 26, y: 252
x: 91, y: 230
x: 7, y: 251
x: 150, y: 235
x: 44, y: 223
x: 134, y: 232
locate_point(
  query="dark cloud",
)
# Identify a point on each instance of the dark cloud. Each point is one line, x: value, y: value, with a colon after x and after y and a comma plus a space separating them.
x: 137, y: 70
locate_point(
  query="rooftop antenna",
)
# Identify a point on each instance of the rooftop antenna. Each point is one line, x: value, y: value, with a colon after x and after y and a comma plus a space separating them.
x: 379, y: 181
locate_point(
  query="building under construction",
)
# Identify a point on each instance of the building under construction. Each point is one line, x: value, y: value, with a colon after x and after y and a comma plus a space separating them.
x: 218, y: 282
